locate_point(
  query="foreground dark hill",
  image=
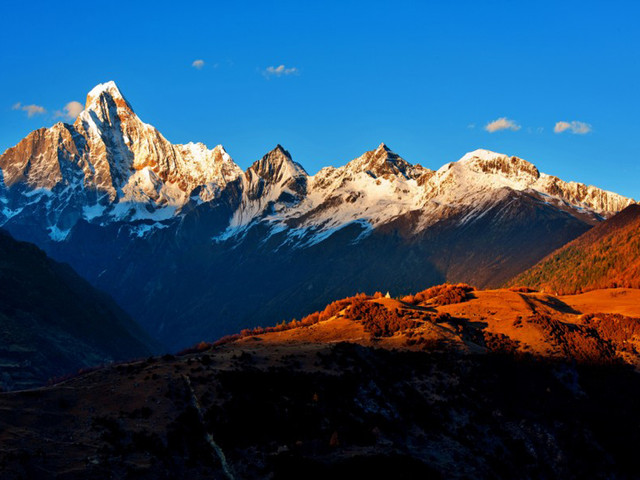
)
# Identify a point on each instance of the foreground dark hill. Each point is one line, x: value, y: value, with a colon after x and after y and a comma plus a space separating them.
x: 448, y: 383
x: 52, y: 322
x: 606, y: 256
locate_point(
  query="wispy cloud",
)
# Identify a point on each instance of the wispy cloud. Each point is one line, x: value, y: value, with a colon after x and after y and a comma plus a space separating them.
x: 70, y: 111
x: 198, y: 64
x: 501, y: 124
x: 578, y: 128
x: 30, y: 109
x: 279, y: 71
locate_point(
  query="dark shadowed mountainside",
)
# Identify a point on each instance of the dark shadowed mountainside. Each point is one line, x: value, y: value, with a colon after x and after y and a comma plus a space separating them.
x: 52, y: 322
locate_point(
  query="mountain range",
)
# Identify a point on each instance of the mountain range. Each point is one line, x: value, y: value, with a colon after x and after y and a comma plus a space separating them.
x: 193, y: 247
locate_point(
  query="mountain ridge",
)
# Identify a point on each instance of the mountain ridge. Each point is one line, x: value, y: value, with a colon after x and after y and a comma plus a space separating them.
x: 122, y: 169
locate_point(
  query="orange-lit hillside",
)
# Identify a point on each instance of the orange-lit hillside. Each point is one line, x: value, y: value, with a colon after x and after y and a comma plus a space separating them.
x: 601, y: 327
x: 606, y: 256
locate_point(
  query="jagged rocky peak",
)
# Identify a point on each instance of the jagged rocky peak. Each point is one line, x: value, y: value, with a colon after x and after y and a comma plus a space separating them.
x: 200, y: 153
x: 109, y: 150
x: 103, y: 99
x: 205, y: 166
x: 277, y: 166
x: 489, y: 162
x: 36, y: 159
x: 384, y: 162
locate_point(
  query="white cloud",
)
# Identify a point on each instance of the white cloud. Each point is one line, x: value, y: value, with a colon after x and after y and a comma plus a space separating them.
x: 501, y: 124
x: 198, y: 64
x: 579, y: 128
x: 70, y: 111
x: 279, y: 71
x: 30, y: 109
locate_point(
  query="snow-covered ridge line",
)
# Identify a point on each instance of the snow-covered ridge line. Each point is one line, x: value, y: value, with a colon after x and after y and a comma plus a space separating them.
x: 109, y: 166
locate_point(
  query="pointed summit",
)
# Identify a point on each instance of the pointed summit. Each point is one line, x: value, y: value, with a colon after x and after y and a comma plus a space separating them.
x: 109, y: 88
x: 281, y: 150
x: 106, y: 99
x: 277, y: 166
x: 381, y: 161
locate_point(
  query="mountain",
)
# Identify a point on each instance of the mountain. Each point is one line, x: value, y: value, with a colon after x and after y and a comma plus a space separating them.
x: 451, y: 382
x: 52, y: 322
x: 606, y: 256
x: 107, y: 166
x: 193, y: 247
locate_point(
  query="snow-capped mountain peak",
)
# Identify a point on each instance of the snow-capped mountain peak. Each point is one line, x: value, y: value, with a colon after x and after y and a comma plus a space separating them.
x: 277, y: 166
x: 112, y: 167
x: 384, y: 162
x: 109, y: 88
x: 477, y: 176
x: 482, y: 170
x: 492, y: 163
x: 105, y: 101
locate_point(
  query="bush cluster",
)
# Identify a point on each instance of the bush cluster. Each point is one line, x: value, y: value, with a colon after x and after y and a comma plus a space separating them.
x: 379, y: 320
x: 446, y: 294
x: 580, y: 342
x: 621, y: 331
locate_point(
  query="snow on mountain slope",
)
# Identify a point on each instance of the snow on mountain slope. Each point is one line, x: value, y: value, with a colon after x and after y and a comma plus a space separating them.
x: 493, y: 170
x: 371, y: 189
x: 109, y: 166
x: 380, y: 186
x: 274, y: 181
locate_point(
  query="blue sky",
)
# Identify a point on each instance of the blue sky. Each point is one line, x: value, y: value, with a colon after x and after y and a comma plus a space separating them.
x: 424, y: 77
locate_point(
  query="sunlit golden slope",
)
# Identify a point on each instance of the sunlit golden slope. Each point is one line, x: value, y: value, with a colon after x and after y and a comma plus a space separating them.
x: 599, y: 328
x: 606, y: 256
